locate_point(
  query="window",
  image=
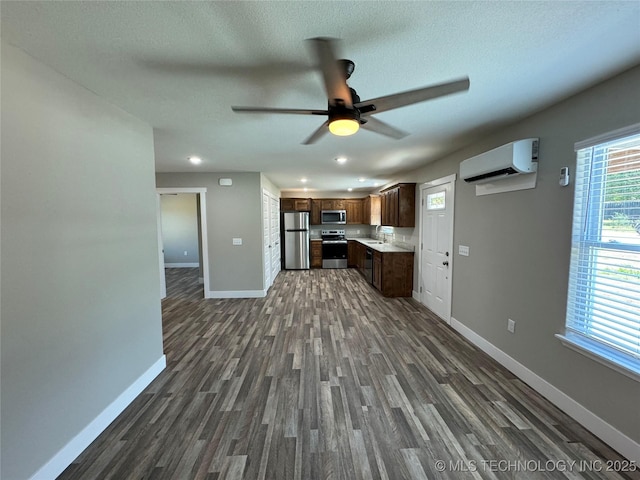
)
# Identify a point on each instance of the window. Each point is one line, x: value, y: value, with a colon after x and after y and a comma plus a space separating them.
x: 603, y: 305
x: 435, y: 201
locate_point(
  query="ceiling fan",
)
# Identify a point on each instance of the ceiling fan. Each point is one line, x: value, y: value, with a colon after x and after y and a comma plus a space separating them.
x: 345, y: 112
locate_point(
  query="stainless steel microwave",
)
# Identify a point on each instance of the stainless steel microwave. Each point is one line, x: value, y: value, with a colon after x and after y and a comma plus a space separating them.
x: 333, y: 217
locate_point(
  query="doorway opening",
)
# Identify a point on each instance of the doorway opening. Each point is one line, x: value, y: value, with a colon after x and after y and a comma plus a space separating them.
x: 182, y: 235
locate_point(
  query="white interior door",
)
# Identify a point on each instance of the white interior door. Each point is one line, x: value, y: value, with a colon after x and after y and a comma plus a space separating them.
x: 275, y: 236
x: 266, y: 238
x: 436, y: 248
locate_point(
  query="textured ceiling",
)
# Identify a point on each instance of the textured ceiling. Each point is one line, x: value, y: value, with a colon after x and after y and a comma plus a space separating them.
x: 181, y: 65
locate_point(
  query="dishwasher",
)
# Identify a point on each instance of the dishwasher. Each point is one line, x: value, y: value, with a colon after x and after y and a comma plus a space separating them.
x: 368, y: 265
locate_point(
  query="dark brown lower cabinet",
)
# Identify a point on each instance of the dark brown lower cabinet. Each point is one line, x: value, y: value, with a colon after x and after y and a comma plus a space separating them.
x: 316, y: 254
x: 396, y: 274
x: 392, y: 271
x: 352, y: 253
x: 360, y: 252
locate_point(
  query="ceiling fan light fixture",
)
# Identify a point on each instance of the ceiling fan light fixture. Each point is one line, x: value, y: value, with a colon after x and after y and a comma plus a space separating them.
x: 343, y: 127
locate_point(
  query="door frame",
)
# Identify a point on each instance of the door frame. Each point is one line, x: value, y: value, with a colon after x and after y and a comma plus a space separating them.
x: 163, y: 277
x: 423, y: 187
x: 267, y: 282
x: 202, y: 191
x: 275, y: 205
x: 266, y: 224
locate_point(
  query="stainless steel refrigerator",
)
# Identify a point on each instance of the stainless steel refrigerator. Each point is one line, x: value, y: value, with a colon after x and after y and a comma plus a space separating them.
x: 295, y: 226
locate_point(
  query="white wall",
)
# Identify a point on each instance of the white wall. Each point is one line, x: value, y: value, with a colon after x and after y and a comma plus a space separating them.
x: 81, y: 319
x: 180, y: 228
x: 268, y: 185
x: 323, y: 194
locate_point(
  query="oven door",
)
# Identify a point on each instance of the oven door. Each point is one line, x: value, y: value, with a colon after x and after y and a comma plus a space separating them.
x: 334, y: 254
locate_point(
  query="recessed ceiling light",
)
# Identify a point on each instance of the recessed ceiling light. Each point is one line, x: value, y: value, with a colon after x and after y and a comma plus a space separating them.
x: 361, y: 179
x: 303, y: 180
x: 195, y: 160
x: 376, y: 184
x: 349, y: 189
x: 341, y: 160
x: 305, y: 189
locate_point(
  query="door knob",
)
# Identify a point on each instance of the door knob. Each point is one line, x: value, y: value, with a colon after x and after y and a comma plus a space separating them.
x: 445, y: 263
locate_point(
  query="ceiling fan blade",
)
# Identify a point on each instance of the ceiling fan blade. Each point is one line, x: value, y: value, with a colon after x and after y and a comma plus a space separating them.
x: 335, y: 82
x: 315, y: 136
x: 409, y: 97
x: 299, y: 111
x: 377, y: 126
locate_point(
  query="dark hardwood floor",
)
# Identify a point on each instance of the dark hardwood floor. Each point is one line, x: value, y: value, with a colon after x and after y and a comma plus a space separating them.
x: 182, y: 283
x: 326, y: 379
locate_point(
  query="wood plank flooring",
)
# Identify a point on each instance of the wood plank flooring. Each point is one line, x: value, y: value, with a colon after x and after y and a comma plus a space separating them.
x: 326, y: 379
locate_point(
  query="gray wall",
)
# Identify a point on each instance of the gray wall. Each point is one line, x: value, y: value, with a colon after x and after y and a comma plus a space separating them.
x: 80, y: 310
x: 520, y: 244
x: 234, y: 211
x: 180, y: 228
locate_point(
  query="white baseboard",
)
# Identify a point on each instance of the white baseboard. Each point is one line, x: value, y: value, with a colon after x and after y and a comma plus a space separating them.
x: 181, y: 265
x: 606, y: 432
x: 236, y: 294
x: 61, y: 460
x: 415, y: 295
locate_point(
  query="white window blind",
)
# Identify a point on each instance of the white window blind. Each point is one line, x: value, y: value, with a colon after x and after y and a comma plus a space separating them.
x: 603, y: 305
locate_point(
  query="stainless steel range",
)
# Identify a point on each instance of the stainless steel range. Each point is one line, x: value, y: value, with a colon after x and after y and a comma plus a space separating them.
x: 334, y: 249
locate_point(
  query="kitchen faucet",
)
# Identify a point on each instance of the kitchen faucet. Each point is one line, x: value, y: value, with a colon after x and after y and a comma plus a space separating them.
x: 384, y: 235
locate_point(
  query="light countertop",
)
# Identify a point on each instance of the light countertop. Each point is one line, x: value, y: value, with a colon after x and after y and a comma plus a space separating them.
x: 374, y: 244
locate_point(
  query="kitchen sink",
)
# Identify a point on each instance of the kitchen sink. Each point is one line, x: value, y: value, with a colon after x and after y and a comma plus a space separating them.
x: 374, y: 242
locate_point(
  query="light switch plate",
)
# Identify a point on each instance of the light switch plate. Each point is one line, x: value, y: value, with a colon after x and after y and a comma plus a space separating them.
x: 463, y: 250
x: 237, y: 241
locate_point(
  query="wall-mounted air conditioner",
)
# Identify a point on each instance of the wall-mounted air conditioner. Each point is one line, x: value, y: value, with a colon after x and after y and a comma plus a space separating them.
x: 507, y: 161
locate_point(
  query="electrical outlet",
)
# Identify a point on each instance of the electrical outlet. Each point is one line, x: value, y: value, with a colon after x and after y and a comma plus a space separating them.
x: 185, y: 253
x: 511, y: 326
